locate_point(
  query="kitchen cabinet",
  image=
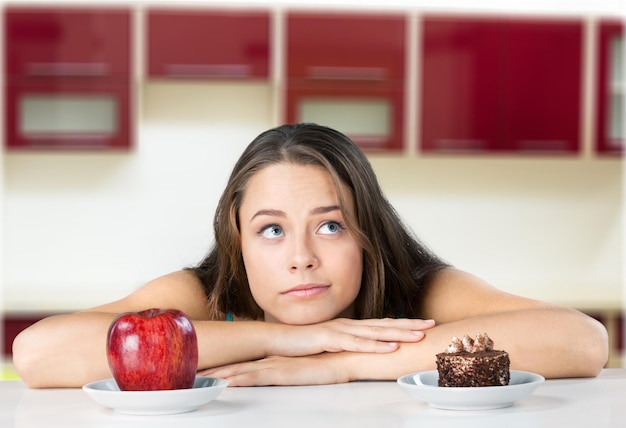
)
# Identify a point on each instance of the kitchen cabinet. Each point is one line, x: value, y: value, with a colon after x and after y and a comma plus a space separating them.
x: 208, y: 44
x: 68, y: 78
x: 13, y: 323
x: 609, y: 87
x: 347, y: 71
x: 509, y: 85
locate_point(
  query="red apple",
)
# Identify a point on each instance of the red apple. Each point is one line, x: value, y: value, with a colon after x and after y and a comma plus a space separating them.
x: 155, y: 349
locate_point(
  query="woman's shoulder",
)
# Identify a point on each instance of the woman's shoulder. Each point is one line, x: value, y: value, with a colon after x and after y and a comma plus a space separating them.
x: 453, y: 294
x: 176, y: 290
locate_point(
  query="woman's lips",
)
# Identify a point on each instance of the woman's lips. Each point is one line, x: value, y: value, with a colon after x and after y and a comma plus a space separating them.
x: 306, y: 290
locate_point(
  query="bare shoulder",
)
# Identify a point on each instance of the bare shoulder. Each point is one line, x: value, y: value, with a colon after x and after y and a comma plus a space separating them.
x: 453, y: 294
x: 177, y: 290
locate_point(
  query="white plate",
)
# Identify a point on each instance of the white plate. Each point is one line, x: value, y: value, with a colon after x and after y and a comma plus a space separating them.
x: 423, y: 386
x: 107, y: 393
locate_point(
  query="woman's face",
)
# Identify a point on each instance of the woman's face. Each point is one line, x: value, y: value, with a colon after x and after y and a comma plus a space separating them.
x: 302, y: 263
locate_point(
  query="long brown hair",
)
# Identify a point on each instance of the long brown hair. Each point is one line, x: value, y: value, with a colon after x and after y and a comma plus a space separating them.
x: 395, y: 264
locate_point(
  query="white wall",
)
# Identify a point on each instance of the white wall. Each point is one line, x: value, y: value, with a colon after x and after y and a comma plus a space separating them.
x: 81, y: 229
x: 548, y: 228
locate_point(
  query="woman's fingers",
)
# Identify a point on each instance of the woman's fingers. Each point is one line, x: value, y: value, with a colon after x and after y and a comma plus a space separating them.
x: 404, y: 330
x: 369, y: 335
x: 309, y: 370
x: 376, y: 335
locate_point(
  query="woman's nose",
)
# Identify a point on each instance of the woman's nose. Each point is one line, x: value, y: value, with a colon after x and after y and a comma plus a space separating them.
x: 303, y: 256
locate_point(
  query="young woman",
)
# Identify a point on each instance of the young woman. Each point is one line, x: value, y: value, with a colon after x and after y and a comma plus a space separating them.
x: 323, y: 283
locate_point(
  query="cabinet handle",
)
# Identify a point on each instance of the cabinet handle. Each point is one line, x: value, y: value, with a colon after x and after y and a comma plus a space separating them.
x: 452, y: 144
x: 542, y: 145
x: 96, y: 141
x: 70, y: 69
x: 346, y: 73
x: 371, y: 141
x: 239, y: 71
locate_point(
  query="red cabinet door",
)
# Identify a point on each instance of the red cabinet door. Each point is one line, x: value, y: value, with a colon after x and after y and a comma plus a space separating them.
x: 500, y: 84
x: 345, y: 46
x: 347, y: 71
x: 208, y: 44
x: 609, y: 87
x: 89, y: 42
x: 68, y: 114
x: 461, y: 83
x: 67, y: 82
x: 543, y: 83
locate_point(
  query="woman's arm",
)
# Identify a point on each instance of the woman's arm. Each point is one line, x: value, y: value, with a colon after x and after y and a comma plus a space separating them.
x: 552, y: 340
x: 547, y: 339
x: 70, y: 350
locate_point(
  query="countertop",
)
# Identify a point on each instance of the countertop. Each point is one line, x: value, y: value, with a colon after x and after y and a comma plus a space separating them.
x: 594, y: 402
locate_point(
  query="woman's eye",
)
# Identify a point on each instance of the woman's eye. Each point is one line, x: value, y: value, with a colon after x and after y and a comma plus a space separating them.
x: 331, y: 228
x: 271, y: 232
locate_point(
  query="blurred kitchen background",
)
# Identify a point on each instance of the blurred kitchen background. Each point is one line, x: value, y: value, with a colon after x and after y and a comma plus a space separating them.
x: 497, y: 130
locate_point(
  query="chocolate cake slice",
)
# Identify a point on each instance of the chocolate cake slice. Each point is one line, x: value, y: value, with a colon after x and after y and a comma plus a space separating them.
x: 474, y: 363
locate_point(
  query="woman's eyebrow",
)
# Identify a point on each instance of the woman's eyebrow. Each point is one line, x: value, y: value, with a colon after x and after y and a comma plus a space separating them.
x: 324, y: 210
x: 269, y: 212
x: 280, y: 213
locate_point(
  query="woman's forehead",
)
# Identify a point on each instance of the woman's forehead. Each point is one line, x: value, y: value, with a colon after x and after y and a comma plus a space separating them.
x: 285, y: 183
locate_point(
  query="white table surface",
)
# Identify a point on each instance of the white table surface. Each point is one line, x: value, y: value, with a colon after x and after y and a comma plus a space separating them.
x: 596, y: 403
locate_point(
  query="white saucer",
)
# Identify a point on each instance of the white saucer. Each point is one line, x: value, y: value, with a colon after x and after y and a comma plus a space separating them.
x: 423, y: 386
x: 107, y: 393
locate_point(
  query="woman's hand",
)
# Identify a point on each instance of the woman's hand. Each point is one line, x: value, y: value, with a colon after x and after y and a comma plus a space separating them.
x: 314, y: 354
x: 343, y: 334
x: 308, y: 370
